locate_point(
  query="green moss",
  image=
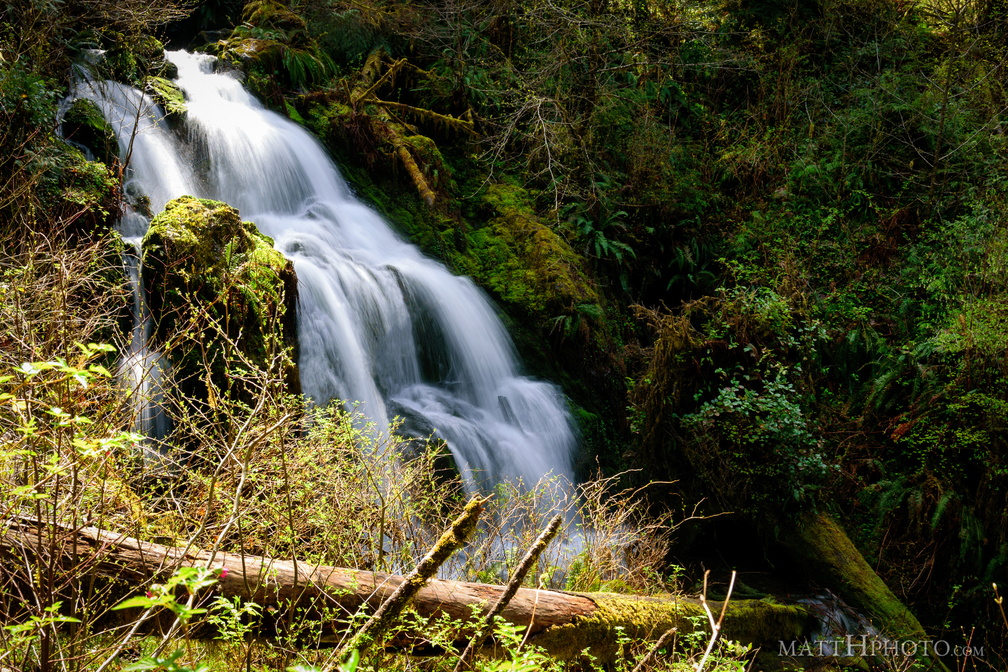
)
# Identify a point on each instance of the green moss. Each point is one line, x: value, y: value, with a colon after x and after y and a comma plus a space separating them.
x: 80, y: 194
x: 293, y: 114
x: 748, y: 621
x: 84, y: 123
x: 197, y: 231
x: 524, y: 262
x: 121, y: 64
x: 132, y: 58
x: 833, y: 560
x: 87, y: 184
x: 168, y: 95
x: 215, y: 283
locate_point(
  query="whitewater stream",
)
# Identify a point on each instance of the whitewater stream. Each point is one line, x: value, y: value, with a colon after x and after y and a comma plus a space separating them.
x: 380, y: 325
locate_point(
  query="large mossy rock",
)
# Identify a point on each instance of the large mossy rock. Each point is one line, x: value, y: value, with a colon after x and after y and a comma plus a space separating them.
x: 527, y: 264
x: 81, y: 196
x: 222, y: 300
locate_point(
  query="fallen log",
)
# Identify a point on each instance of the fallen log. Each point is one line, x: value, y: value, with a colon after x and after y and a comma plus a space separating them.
x: 563, y: 623
x: 513, y: 584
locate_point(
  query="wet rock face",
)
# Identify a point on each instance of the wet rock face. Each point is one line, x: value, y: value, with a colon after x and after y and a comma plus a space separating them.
x: 221, y: 298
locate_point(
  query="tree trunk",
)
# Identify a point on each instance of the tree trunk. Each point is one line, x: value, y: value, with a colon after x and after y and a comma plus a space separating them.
x: 563, y: 623
x: 831, y: 558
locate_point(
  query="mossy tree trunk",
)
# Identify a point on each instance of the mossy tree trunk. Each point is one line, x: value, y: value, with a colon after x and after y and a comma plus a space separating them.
x: 831, y: 558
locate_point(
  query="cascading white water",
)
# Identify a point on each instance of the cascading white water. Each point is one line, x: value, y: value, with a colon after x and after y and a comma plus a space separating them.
x: 379, y: 324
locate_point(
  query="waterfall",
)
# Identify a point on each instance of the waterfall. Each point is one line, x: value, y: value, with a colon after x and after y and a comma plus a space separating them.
x: 380, y: 325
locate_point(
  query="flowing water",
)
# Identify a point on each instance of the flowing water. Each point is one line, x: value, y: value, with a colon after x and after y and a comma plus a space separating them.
x: 380, y: 325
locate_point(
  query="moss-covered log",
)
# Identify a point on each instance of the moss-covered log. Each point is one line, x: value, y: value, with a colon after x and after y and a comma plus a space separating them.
x: 514, y: 583
x: 452, y: 540
x: 565, y: 624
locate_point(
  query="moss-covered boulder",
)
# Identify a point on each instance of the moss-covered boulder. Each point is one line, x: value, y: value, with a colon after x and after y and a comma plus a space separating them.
x: 222, y: 300
x: 84, y: 124
x: 81, y: 196
x: 168, y: 95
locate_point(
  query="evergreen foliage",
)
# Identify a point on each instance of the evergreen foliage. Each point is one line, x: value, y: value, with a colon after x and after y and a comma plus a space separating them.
x: 782, y: 225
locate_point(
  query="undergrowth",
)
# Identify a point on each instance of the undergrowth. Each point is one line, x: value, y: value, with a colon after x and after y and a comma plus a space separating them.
x: 256, y: 474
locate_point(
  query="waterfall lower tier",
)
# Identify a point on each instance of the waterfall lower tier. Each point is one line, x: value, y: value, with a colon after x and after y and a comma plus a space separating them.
x: 380, y: 325
x: 141, y: 368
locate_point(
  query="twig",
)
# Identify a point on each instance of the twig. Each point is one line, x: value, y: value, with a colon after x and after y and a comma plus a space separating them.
x: 450, y: 541
x: 530, y: 558
x: 662, y: 641
x: 999, y: 601
x: 715, y: 627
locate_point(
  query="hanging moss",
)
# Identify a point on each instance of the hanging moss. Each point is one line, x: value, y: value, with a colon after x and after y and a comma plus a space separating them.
x: 275, y: 15
x: 216, y: 285
x: 273, y: 47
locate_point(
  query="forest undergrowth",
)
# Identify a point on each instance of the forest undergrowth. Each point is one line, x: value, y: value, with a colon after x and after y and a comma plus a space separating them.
x: 260, y: 475
x: 762, y: 244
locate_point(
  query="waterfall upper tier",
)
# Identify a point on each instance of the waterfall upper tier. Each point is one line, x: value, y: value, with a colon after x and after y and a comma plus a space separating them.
x: 379, y: 324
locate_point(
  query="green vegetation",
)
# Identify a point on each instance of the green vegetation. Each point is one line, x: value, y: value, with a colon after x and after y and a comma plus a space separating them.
x: 83, y: 123
x: 763, y: 246
x: 221, y: 298
x: 804, y: 201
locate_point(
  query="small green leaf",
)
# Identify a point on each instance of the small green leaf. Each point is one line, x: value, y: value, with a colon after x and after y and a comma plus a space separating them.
x: 133, y: 602
x: 99, y: 370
